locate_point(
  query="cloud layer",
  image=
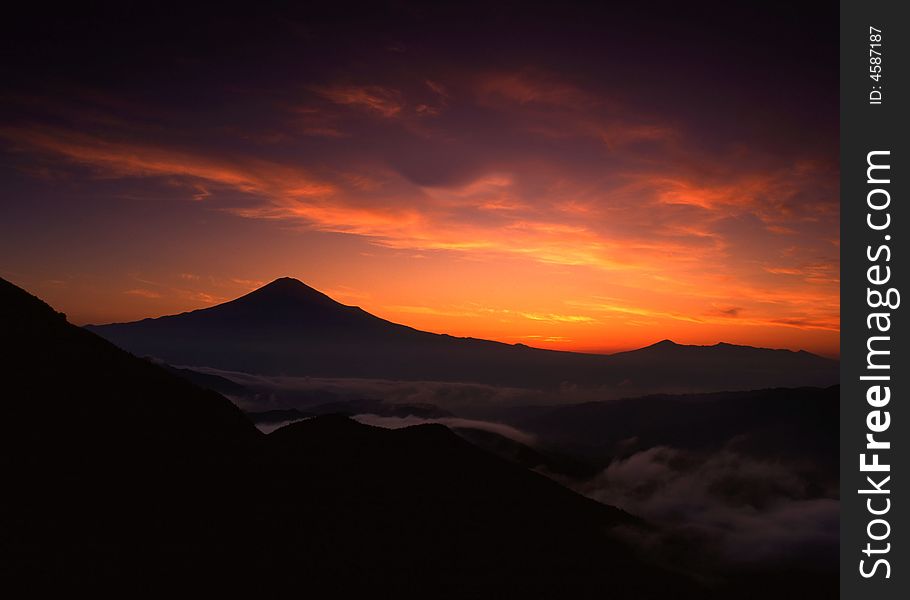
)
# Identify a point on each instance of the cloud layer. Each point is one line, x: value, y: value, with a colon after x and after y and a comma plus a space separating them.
x: 724, y: 508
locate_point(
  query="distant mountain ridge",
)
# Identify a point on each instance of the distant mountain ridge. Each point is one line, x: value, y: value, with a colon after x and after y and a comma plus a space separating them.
x: 289, y: 328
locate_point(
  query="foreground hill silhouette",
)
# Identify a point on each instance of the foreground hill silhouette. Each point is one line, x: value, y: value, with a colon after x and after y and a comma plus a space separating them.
x: 288, y: 328
x: 118, y: 473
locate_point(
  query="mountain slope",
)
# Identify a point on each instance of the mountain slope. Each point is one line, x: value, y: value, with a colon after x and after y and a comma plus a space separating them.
x: 52, y: 368
x: 287, y: 328
x: 120, y: 474
x: 777, y: 424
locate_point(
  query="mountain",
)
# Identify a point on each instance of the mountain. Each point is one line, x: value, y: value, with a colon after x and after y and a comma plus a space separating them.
x: 57, y: 376
x: 222, y: 385
x: 121, y: 475
x: 795, y: 424
x: 529, y: 457
x: 288, y: 328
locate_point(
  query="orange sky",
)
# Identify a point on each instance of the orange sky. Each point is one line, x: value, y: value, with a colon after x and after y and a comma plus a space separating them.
x: 520, y: 199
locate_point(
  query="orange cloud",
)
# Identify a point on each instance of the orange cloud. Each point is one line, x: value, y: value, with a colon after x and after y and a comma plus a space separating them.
x: 129, y: 159
x: 676, y: 238
x: 143, y: 293
x: 527, y: 87
x: 543, y: 233
x: 380, y: 100
x: 287, y: 193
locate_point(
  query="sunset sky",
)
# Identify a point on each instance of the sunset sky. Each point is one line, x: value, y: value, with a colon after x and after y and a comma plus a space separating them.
x: 568, y: 178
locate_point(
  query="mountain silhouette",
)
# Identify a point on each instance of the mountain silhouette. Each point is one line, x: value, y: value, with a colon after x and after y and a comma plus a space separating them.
x: 288, y: 328
x: 794, y: 424
x: 121, y: 474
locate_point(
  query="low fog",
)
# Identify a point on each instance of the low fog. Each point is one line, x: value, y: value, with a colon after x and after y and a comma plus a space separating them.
x: 722, y: 508
x: 466, y: 399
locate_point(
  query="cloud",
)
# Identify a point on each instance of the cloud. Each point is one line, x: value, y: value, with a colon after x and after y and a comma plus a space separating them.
x: 143, y: 293
x: 533, y: 88
x: 270, y: 427
x: 723, y: 508
x: 452, y: 422
x: 467, y: 400
x: 515, y: 165
x: 380, y: 100
x: 188, y: 287
x: 120, y: 158
x: 813, y: 316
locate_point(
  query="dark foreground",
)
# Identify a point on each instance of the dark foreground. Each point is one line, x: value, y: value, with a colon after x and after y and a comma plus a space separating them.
x: 119, y: 475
